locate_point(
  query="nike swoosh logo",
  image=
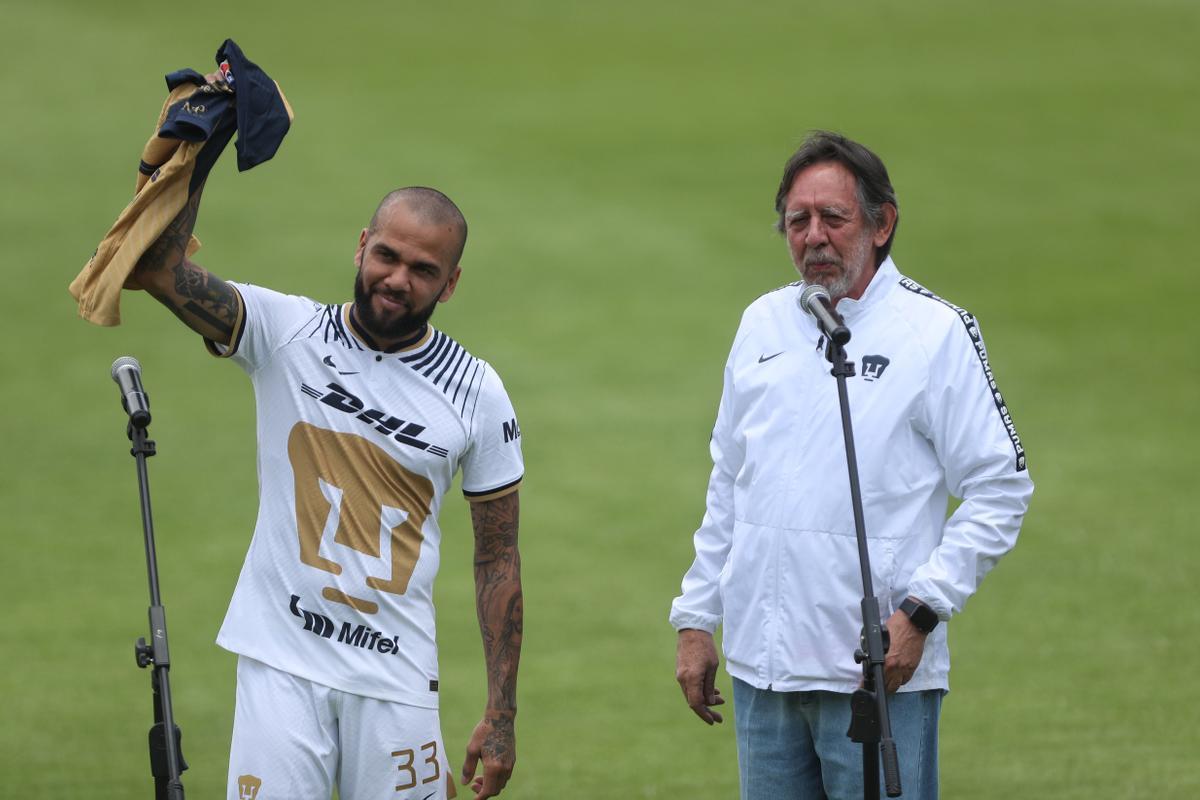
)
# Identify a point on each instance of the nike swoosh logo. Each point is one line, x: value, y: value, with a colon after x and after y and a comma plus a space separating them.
x: 431, y: 794
x: 328, y: 361
x: 763, y: 359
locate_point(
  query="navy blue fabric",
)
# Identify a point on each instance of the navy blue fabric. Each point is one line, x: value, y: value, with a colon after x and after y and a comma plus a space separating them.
x: 262, y: 119
x: 200, y: 116
x: 208, y: 155
x: 183, y: 76
x: 255, y: 110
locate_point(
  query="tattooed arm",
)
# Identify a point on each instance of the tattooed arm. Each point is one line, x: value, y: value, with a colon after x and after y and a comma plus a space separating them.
x: 499, y: 605
x: 205, y: 303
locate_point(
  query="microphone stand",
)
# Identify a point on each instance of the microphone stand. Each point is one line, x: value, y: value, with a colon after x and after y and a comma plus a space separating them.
x: 166, y: 760
x: 869, y: 721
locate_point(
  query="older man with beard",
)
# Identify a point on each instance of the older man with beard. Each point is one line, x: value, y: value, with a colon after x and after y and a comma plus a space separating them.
x: 365, y: 415
x: 776, y: 557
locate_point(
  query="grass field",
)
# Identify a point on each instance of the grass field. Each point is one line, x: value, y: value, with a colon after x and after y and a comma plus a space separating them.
x: 618, y: 162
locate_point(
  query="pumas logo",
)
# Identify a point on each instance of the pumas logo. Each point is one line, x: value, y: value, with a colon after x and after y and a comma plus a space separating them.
x: 873, y: 367
x: 248, y: 786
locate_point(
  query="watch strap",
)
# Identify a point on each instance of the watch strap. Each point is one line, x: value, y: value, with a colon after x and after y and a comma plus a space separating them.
x: 923, y: 617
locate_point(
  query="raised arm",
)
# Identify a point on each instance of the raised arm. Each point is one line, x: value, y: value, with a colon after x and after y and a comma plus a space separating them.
x: 205, y: 303
x: 499, y: 605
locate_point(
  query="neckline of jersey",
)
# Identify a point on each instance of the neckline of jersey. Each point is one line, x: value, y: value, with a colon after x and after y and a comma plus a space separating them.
x: 406, y: 346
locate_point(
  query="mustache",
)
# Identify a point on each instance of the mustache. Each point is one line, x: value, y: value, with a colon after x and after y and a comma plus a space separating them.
x: 821, y: 259
x: 399, y: 297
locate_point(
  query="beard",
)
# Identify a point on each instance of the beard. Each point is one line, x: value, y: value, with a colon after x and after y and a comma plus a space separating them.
x: 838, y: 275
x: 837, y: 280
x: 397, y: 326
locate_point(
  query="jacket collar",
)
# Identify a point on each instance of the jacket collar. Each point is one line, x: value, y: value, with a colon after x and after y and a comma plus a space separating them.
x: 882, y: 283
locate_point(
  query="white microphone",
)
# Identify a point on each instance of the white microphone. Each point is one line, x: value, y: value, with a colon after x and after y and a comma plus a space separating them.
x: 127, y: 372
x: 815, y: 301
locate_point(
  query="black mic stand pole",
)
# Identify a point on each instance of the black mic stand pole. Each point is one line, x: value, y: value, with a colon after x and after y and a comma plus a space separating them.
x: 166, y: 756
x: 869, y: 721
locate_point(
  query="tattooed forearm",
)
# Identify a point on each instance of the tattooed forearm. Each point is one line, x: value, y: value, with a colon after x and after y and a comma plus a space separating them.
x: 169, y: 250
x: 498, y: 595
x: 204, y: 302
x: 212, y: 300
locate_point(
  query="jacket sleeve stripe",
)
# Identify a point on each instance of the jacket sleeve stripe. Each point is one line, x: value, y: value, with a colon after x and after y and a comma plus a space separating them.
x: 968, y: 320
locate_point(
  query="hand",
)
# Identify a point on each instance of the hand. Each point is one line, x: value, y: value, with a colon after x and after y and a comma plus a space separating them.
x: 696, y: 670
x: 904, y: 651
x: 494, y: 741
x: 216, y: 79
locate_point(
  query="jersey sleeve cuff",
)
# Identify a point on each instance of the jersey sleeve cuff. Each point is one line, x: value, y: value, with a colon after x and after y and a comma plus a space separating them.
x: 239, y: 327
x: 492, y: 494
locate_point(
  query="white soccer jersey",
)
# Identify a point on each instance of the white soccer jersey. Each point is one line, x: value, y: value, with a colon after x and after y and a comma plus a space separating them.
x: 356, y: 449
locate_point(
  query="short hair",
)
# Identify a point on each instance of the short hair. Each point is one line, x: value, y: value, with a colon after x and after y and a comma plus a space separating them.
x: 430, y: 206
x: 874, y: 187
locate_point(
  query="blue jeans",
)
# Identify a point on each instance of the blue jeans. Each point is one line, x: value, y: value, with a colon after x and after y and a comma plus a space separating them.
x: 793, y: 745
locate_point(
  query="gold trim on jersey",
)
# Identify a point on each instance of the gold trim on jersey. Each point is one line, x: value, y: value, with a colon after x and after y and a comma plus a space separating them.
x: 351, y: 326
x: 501, y: 492
x: 239, y: 327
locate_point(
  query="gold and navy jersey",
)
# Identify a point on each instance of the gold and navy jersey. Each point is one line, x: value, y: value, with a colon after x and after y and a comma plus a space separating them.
x: 195, y: 124
x: 356, y: 450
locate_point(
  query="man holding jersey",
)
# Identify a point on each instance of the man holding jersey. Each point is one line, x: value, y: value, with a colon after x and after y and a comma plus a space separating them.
x: 365, y: 412
x: 776, y: 557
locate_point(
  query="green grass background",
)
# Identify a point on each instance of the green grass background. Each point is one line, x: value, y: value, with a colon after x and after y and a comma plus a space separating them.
x: 617, y: 162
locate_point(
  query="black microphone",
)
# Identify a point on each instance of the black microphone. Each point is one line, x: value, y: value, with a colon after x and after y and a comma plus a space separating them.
x: 815, y: 301
x: 127, y: 372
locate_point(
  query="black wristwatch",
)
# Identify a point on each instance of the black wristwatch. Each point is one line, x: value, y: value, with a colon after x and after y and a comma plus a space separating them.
x: 922, y: 616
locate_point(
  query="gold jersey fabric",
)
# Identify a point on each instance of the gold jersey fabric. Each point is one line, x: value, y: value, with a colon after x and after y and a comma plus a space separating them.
x: 171, y: 169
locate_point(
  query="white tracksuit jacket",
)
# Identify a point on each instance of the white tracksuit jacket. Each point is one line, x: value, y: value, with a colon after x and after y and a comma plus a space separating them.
x: 776, y: 555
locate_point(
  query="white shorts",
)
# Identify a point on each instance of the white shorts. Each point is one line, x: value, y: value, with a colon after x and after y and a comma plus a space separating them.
x: 295, y: 740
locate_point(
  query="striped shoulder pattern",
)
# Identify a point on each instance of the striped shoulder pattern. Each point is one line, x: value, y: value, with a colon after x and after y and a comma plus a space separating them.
x: 327, y: 324
x: 449, y: 366
x: 969, y: 322
x: 791, y: 285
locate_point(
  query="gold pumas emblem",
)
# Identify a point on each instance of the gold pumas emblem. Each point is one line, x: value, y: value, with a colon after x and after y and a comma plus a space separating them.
x: 248, y: 787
